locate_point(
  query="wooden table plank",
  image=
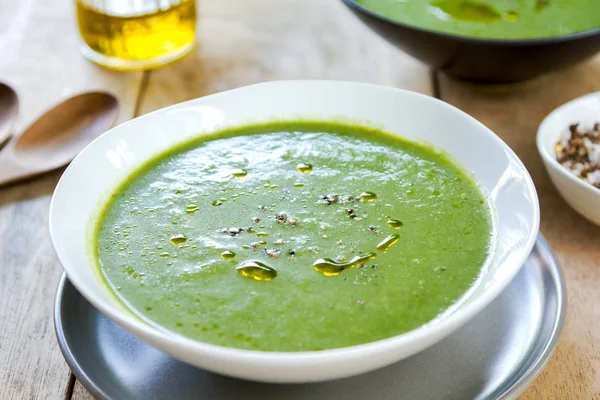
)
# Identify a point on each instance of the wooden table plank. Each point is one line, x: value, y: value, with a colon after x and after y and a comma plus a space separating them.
x: 39, y: 57
x: 80, y: 393
x: 514, y: 112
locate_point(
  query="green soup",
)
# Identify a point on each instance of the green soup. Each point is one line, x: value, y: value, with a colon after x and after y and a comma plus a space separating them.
x: 500, y: 19
x: 294, y: 236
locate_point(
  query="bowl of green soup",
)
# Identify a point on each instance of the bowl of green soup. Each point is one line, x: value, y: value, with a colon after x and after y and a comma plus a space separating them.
x: 295, y: 231
x: 488, y: 40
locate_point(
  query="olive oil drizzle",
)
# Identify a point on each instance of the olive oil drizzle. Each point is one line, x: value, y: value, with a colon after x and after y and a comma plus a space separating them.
x: 304, y: 168
x: 228, y: 255
x: 388, y: 242
x: 367, y: 196
x: 178, y: 239
x: 239, y: 173
x: 256, y: 270
x: 329, y: 267
x: 395, y: 224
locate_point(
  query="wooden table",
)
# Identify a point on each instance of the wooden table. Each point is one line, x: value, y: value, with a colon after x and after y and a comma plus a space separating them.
x: 242, y: 42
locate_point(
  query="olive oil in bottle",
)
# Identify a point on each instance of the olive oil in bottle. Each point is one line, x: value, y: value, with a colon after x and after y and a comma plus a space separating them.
x: 136, y: 34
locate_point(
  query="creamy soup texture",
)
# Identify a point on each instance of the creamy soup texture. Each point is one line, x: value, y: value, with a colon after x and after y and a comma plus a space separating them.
x: 294, y: 236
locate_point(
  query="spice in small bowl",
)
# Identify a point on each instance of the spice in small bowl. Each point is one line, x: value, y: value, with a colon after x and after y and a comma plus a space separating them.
x: 579, y: 153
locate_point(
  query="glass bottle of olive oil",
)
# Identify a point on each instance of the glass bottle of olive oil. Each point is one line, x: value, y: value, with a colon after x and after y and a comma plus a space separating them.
x: 136, y: 34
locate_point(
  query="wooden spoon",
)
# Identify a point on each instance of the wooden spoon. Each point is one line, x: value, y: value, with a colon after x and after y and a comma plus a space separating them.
x: 58, y: 136
x: 9, y: 105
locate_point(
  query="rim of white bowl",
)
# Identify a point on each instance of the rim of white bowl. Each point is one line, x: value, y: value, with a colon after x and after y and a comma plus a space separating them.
x: 272, y: 358
x: 545, y: 130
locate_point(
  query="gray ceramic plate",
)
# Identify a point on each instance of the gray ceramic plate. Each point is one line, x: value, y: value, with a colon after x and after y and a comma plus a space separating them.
x: 497, y: 355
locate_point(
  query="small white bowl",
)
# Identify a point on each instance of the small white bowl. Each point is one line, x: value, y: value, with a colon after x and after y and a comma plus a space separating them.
x: 583, y: 197
x: 114, y: 155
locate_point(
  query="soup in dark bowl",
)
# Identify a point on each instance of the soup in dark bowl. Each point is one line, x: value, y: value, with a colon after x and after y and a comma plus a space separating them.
x: 491, y: 40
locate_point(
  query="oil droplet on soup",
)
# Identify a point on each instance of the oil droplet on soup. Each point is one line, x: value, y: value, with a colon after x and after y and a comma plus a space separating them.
x: 239, y: 173
x: 228, y: 255
x: 329, y: 267
x: 395, y: 224
x: 367, y: 196
x: 304, y: 168
x: 178, y: 239
x: 388, y: 242
x: 191, y: 209
x: 256, y: 270
x: 217, y: 203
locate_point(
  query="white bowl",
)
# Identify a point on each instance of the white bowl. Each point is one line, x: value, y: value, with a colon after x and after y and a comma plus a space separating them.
x: 112, y: 156
x: 583, y: 197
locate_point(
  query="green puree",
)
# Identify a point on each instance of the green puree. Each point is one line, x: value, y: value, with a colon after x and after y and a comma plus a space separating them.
x: 171, y: 237
x: 500, y: 19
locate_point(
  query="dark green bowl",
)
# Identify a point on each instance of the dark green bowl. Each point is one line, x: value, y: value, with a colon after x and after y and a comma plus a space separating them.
x: 486, y: 60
